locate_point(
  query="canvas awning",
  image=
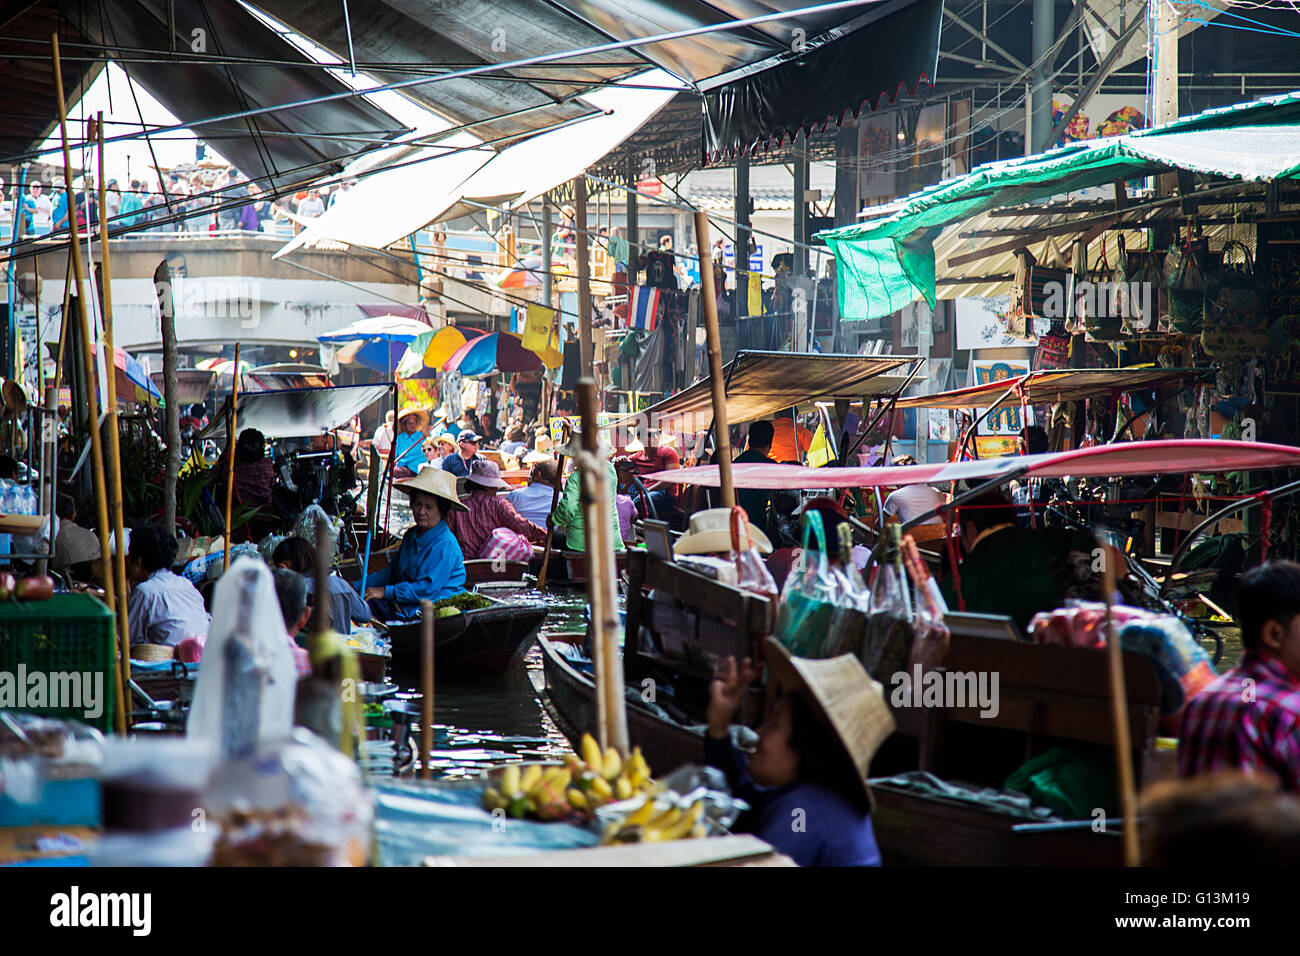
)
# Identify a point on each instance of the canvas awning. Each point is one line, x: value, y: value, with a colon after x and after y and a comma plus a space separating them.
x: 887, y: 263
x: 299, y: 413
x: 761, y: 384
x: 1062, y: 385
x: 1196, y: 455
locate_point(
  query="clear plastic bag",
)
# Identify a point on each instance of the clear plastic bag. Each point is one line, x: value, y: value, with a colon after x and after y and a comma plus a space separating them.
x: 849, y: 622
x: 682, y: 789
x: 930, y: 635
x: 809, y: 598
x: 887, y: 642
x: 751, y: 572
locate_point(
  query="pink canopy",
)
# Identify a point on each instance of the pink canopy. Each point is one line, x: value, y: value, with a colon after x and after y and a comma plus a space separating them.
x: 1200, y: 455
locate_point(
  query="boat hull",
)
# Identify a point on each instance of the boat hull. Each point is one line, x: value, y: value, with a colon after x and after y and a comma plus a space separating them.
x: 481, y: 643
x: 571, y: 702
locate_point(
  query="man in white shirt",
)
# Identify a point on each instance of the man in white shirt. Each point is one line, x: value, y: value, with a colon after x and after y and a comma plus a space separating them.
x: 383, y: 439
x: 164, y: 608
x: 912, y: 501
x: 533, y: 501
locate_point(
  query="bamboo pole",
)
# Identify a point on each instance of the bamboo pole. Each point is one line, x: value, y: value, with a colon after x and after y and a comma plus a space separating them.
x: 709, y: 299
x: 585, y: 343
x: 426, y: 686
x: 114, y: 439
x: 550, y: 522
x: 602, y: 578
x: 230, y: 452
x: 92, y: 396
x: 1119, y: 713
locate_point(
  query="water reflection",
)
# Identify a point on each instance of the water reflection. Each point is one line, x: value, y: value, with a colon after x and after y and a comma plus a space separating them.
x: 478, y: 725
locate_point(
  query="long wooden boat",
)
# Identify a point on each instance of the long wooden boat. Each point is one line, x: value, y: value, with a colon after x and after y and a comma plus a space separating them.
x: 569, y: 568
x: 480, y: 643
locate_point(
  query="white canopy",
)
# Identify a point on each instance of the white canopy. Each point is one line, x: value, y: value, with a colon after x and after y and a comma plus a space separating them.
x: 387, y: 207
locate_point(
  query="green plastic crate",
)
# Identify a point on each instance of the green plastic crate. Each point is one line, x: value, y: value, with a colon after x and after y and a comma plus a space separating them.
x: 68, y: 633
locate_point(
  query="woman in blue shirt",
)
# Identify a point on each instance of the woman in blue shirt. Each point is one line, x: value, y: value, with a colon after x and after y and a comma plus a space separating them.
x: 429, y: 566
x: 806, y: 781
x: 408, y: 446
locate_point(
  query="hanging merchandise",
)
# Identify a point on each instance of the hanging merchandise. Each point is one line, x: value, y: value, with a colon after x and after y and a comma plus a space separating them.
x: 848, y: 624
x: 659, y: 270
x: 809, y: 598
x: 751, y: 571
x: 1053, y: 348
x: 1140, y: 285
x: 1035, y: 292
x: 1236, y: 321
x: 542, y: 335
x: 1185, y: 280
x: 887, y: 643
x: 1101, y: 312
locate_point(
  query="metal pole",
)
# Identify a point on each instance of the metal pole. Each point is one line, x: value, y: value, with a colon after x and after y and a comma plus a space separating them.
x: 1044, y: 30
x: 742, y: 236
x: 633, y: 229
x: 547, y: 233
x: 92, y: 397
x: 709, y: 299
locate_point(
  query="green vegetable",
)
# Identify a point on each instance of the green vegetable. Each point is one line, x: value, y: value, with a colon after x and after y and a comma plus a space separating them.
x: 463, y: 602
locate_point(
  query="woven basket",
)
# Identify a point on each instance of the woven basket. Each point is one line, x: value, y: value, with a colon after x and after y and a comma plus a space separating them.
x: 152, y: 652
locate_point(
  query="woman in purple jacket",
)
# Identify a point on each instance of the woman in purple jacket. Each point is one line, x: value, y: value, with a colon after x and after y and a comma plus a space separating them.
x: 806, y: 781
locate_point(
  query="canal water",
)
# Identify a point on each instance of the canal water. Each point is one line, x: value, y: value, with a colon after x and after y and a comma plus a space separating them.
x: 497, y: 720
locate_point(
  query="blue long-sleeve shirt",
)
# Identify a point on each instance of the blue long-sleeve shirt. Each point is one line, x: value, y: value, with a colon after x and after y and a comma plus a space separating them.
x: 810, y: 823
x: 429, y: 566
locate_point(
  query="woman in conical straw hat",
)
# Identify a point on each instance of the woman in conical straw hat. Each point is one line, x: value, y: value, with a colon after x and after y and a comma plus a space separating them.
x: 429, y: 566
x: 806, y: 782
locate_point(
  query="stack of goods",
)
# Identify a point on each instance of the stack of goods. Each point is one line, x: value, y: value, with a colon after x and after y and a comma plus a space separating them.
x: 572, y: 789
x: 49, y: 794
x: 1183, y: 665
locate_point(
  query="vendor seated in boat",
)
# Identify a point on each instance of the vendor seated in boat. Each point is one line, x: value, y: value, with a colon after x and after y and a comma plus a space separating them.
x: 408, y: 446
x: 806, y: 782
x: 1012, y: 570
x: 490, y: 526
x: 1226, y: 729
x: 429, y: 566
x: 568, y: 516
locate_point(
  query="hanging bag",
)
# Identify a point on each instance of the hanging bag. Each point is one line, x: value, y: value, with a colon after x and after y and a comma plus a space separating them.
x: 1185, y: 280
x: 1236, y: 322
x: 808, y: 600
x: 887, y: 642
x: 1101, y: 311
x: 751, y: 572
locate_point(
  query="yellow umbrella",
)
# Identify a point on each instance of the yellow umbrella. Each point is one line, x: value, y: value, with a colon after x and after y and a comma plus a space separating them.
x: 445, y: 343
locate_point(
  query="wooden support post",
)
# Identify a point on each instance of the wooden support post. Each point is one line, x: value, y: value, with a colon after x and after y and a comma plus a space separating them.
x: 585, y: 343
x: 1119, y: 711
x: 709, y: 299
x: 92, y: 395
x: 231, y: 429
x: 550, y: 522
x: 114, y: 442
x: 602, y: 584
x: 426, y: 687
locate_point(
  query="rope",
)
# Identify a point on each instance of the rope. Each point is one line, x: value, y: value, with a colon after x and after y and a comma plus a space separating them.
x: 1267, y: 508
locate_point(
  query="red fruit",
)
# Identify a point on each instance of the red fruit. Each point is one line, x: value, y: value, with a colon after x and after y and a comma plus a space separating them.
x: 7, y: 586
x: 36, y: 588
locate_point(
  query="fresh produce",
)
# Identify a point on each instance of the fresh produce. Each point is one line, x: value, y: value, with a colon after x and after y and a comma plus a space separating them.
x: 578, y: 787
x: 35, y: 588
x: 651, y: 824
x: 7, y: 586
x: 461, y: 602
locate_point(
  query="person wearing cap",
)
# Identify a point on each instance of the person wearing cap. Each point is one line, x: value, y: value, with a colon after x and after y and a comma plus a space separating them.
x: 806, y: 782
x: 408, y: 445
x: 429, y: 565
x: 568, y: 516
x: 459, y: 461
x: 658, y: 455
x: 533, y: 501
x: 486, y: 513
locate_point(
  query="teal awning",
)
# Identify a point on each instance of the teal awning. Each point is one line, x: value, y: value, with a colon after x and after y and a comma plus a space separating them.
x: 887, y: 263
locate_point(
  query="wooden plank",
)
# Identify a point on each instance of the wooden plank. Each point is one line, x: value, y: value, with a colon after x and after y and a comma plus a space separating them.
x: 742, y: 850
x: 743, y: 608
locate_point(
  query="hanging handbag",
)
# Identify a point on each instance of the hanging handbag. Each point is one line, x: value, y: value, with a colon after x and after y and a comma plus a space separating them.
x: 1037, y: 291
x: 1101, y: 310
x: 1235, y: 320
x: 1141, y: 286
x: 1185, y: 280
x: 1053, y: 348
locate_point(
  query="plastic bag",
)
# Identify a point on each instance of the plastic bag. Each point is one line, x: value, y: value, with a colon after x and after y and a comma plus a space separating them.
x: 1186, y: 284
x: 751, y: 573
x: 683, y: 788
x: 295, y: 802
x: 887, y: 641
x: 809, y: 598
x: 930, y: 631
x: 245, y: 690
x: 1236, y: 321
x: 849, y: 622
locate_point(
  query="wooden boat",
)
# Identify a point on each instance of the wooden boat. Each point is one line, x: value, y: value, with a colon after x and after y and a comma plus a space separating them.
x: 480, y: 643
x: 486, y: 570
x: 570, y: 567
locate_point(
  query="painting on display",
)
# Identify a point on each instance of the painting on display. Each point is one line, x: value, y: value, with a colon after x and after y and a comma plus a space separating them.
x: 1006, y: 420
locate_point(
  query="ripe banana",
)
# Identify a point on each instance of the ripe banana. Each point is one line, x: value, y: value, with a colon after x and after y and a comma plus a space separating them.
x: 530, y: 778
x: 613, y: 765
x: 601, y: 790
x: 677, y: 828
x: 590, y: 752
x: 577, y: 799
x: 510, y: 780
x: 623, y: 789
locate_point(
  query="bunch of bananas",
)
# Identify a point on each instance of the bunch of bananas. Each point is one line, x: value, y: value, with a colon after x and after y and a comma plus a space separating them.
x: 652, y: 823
x: 579, y: 786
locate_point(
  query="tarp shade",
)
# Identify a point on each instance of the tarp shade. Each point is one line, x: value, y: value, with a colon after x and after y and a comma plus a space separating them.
x: 887, y: 263
x: 1062, y: 385
x: 761, y: 384
x: 840, y: 73
x: 299, y: 413
x: 1199, y: 455
x: 194, y: 90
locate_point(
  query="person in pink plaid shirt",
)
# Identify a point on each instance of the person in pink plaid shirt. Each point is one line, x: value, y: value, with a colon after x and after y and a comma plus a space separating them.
x: 1249, y: 719
x: 489, y: 512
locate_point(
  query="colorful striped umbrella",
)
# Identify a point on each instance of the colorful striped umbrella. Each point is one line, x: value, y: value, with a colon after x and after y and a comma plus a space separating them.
x: 428, y: 352
x: 497, y: 352
x: 378, y: 343
x: 132, y: 382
